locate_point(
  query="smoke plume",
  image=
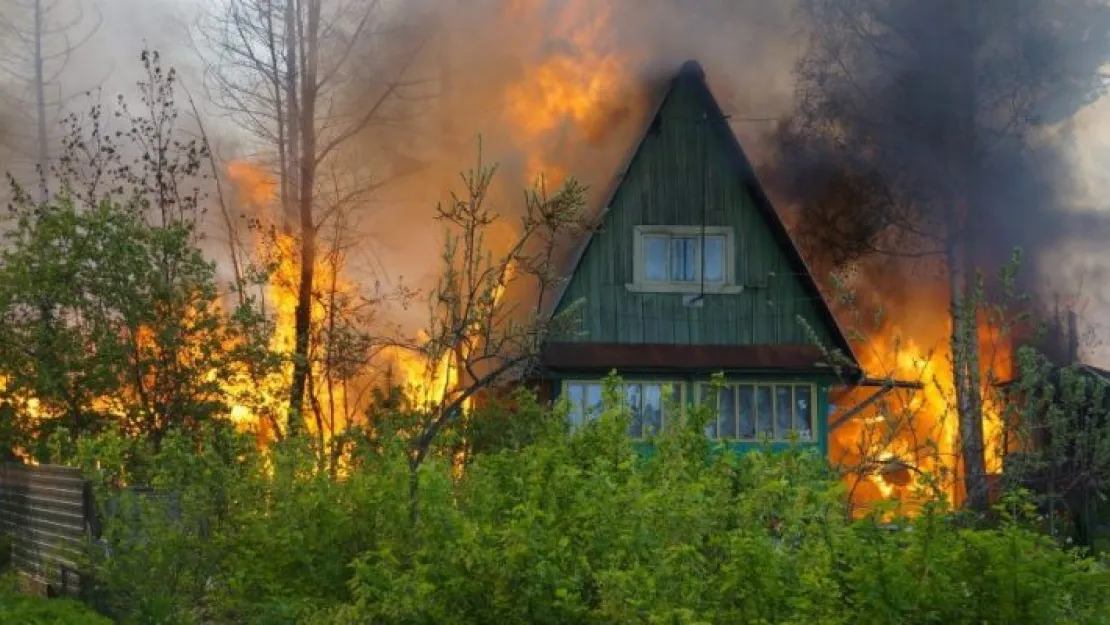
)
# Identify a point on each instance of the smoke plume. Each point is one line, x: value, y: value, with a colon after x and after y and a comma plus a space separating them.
x: 905, y: 109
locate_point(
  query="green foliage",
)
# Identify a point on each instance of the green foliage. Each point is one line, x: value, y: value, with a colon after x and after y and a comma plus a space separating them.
x: 508, y: 423
x: 31, y: 610
x: 551, y: 527
x: 1059, y: 421
x: 108, y: 318
x: 108, y: 310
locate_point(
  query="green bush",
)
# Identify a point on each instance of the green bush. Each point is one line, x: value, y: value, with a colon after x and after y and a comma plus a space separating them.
x: 572, y: 528
x: 30, y: 610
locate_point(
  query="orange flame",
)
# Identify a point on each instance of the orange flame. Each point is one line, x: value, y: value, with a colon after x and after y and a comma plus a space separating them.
x: 574, y: 90
x: 891, y: 447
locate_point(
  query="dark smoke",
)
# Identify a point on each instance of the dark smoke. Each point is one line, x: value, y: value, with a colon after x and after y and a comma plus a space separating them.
x: 906, y: 106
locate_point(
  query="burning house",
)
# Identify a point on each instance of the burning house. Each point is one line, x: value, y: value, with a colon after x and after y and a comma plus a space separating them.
x: 690, y: 272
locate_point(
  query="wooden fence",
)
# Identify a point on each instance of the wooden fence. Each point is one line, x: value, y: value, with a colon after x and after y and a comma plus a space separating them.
x: 46, y: 510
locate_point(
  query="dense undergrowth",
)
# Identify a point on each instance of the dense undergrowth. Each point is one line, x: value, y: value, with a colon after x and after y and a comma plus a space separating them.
x: 557, y: 528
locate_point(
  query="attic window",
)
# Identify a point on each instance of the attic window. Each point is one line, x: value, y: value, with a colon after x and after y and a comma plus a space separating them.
x: 683, y: 259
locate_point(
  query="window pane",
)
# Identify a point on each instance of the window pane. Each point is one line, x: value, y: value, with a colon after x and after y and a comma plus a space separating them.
x: 653, y: 407
x: 714, y: 259
x: 575, y: 395
x: 744, y: 403
x: 593, y: 401
x: 704, y: 393
x: 655, y: 258
x: 726, y: 412
x: 669, y: 393
x: 632, y: 398
x: 763, y: 411
x: 784, y: 418
x: 803, y: 413
x: 683, y: 259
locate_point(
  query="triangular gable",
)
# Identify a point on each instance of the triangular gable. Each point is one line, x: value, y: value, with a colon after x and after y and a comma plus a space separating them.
x: 692, y: 76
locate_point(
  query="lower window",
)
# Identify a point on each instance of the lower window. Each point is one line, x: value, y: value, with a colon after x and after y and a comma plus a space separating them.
x: 751, y: 412
x: 646, y: 400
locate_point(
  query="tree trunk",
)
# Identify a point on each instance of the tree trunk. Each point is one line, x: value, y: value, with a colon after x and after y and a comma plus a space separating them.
x: 306, y: 183
x: 963, y: 159
x: 292, y: 120
x: 40, y: 103
x: 964, y: 345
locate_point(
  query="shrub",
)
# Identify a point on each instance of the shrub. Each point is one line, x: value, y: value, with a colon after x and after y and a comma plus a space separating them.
x: 564, y: 528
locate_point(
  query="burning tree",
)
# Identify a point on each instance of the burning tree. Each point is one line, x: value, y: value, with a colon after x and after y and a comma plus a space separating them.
x: 477, y: 337
x: 289, y: 72
x: 911, y: 139
x: 111, y: 314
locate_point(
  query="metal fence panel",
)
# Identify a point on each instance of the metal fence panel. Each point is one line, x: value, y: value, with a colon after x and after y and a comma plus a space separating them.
x: 46, y: 511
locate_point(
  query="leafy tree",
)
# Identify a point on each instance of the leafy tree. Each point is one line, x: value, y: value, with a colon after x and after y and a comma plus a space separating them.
x: 110, y: 309
x: 1059, y: 419
x: 134, y: 329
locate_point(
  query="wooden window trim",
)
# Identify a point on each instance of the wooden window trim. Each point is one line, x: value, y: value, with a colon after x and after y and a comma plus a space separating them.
x: 699, y: 387
x: 640, y: 285
x: 678, y: 386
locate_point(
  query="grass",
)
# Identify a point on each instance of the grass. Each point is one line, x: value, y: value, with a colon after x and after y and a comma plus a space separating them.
x: 16, y: 607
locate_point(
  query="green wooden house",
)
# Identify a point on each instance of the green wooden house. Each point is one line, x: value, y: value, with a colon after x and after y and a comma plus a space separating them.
x: 690, y: 272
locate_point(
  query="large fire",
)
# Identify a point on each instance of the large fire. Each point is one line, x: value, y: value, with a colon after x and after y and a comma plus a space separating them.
x: 570, y: 90
x: 885, y: 450
x: 575, y: 88
x: 891, y: 450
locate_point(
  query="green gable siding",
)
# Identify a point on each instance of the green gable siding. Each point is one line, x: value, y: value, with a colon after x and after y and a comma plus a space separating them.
x: 682, y: 167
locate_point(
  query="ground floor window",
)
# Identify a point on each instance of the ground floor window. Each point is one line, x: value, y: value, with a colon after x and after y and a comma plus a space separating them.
x: 757, y: 411
x: 647, y: 401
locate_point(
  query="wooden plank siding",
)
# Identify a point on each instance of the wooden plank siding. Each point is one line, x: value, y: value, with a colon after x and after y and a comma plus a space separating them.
x: 45, y: 511
x: 682, y: 166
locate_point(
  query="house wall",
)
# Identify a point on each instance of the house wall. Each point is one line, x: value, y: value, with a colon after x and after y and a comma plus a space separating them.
x: 682, y: 167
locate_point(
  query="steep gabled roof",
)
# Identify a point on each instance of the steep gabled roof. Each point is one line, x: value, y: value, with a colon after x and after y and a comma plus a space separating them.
x: 691, y: 76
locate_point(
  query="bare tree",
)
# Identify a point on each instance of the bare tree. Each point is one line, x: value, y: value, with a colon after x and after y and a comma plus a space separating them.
x: 477, y: 337
x: 39, y: 38
x: 293, y: 72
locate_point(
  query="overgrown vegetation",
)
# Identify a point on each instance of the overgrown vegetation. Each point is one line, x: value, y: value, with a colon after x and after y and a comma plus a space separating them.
x: 567, y: 527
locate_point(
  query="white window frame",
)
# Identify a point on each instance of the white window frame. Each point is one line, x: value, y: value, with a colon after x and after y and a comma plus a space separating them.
x: 703, y: 388
x: 640, y: 284
x: 678, y: 389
